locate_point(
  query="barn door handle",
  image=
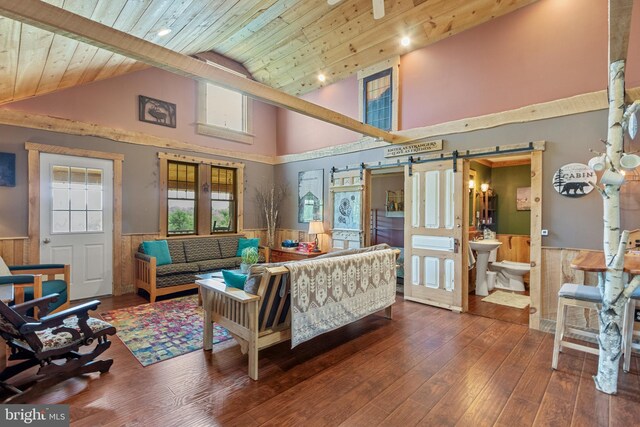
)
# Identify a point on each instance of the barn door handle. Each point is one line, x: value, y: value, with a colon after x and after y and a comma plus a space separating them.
x: 46, y: 241
x: 456, y: 246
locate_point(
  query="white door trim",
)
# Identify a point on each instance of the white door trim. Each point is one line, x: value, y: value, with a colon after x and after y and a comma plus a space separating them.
x: 34, y: 150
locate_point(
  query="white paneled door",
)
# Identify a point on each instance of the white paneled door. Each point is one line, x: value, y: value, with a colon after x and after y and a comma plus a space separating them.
x: 435, y: 231
x: 76, y: 220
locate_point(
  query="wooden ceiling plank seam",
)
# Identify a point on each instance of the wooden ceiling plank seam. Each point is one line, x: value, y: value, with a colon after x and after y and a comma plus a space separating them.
x: 184, y: 25
x: 335, y: 15
x: 63, y: 22
x: 10, y: 32
x: 467, y: 17
x: 34, y: 50
x: 118, y: 65
x: 233, y: 19
x: 296, y: 18
x: 257, y: 23
x: 619, y: 23
x: 166, y: 20
x: 207, y: 21
x: 106, y: 12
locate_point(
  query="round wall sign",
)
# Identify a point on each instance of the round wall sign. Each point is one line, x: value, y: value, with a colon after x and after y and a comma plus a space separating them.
x: 572, y: 180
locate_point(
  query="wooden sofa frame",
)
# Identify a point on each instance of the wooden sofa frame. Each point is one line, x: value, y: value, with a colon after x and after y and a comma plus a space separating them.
x: 145, y: 277
x: 239, y: 313
x: 38, y: 271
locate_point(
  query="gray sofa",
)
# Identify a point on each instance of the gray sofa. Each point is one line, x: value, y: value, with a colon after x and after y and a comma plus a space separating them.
x: 189, y: 256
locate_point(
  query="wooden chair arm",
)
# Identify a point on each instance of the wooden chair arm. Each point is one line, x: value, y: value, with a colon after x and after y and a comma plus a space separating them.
x: 57, y: 319
x: 226, y: 291
x: 41, y: 303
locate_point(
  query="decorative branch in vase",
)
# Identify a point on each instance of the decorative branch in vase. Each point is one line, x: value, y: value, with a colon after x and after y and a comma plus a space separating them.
x: 269, y: 200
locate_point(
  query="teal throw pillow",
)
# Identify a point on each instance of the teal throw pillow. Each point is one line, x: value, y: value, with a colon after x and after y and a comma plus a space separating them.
x: 247, y: 243
x: 235, y: 279
x: 158, y: 249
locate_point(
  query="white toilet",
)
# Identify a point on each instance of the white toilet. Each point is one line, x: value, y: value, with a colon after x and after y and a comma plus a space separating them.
x: 510, y: 274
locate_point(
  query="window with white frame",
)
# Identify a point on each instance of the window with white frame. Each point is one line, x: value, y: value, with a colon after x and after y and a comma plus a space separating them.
x: 224, y: 113
x: 378, y: 89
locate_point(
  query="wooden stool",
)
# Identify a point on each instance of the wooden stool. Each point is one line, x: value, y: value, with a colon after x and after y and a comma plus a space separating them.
x: 577, y: 296
x: 628, y: 331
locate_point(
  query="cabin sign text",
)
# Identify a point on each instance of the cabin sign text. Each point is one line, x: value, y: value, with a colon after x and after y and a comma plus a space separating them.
x: 415, y: 148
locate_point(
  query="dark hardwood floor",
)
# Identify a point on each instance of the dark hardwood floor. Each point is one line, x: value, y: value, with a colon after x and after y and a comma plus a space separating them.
x: 428, y: 366
x: 497, y: 311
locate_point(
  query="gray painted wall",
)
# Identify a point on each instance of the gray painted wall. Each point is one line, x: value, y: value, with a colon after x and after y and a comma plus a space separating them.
x: 140, y: 204
x: 575, y: 223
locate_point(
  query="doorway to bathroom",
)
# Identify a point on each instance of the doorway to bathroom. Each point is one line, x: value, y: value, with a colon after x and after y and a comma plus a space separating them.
x: 500, y: 231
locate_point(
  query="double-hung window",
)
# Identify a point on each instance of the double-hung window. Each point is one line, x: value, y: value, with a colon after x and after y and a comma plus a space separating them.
x: 182, y: 203
x: 200, y: 196
x: 223, y: 200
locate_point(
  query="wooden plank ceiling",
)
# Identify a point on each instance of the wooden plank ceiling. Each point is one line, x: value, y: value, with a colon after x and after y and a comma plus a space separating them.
x: 282, y: 43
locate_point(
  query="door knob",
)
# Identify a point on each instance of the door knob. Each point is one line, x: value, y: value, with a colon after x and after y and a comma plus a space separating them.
x: 47, y: 240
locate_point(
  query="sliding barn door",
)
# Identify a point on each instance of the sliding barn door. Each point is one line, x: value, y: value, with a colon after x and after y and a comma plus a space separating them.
x: 435, y: 247
x: 349, y: 208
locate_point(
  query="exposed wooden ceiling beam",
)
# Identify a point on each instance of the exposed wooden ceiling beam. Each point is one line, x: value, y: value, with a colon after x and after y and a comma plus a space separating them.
x: 619, y: 29
x: 60, y: 21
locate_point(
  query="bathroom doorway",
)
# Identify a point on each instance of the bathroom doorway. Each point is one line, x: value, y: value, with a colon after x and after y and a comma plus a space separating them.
x: 502, y: 231
x: 386, y: 213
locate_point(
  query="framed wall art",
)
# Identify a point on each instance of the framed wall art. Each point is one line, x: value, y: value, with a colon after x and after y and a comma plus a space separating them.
x: 346, y: 210
x: 310, y: 195
x: 7, y: 170
x: 155, y: 111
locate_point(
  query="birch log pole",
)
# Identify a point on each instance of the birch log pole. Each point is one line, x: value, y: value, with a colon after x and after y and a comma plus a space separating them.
x: 612, y: 289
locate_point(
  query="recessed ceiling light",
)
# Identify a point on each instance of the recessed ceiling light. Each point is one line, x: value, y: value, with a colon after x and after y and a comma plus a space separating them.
x: 405, y: 41
x: 322, y: 77
x: 163, y: 32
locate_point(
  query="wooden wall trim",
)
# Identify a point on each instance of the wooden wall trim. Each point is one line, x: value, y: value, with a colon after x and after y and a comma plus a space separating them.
x: 80, y: 152
x: 535, y: 274
x: 592, y: 101
x: 74, y: 127
x: 203, y: 160
x: 34, y: 151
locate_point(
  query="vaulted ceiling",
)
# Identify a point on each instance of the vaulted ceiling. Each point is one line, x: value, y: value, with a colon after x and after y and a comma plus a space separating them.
x: 282, y: 43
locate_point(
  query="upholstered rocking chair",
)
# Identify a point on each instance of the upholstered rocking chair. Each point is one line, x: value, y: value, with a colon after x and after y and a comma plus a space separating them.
x: 52, y: 342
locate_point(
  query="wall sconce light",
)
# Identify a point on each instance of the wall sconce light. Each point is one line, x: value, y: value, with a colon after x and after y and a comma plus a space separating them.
x: 205, y: 187
x: 484, y: 187
x: 472, y: 185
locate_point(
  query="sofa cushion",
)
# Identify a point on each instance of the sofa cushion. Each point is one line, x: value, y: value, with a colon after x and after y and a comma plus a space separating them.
x: 185, y: 267
x: 201, y: 249
x: 176, y: 249
x: 217, y: 264
x: 247, y: 243
x: 235, y: 279
x: 228, y: 246
x: 158, y: 249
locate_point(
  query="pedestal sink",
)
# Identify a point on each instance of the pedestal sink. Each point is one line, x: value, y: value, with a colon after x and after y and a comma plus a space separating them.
x: 483, y: 248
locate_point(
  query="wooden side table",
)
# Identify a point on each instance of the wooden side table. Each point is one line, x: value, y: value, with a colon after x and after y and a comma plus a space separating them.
x: 291, y: 254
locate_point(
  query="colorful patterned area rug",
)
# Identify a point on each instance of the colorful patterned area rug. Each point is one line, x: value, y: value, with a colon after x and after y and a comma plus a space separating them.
x: 162, y: 330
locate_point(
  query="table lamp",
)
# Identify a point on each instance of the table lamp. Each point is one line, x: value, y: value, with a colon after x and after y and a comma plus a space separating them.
x: 316, y: 227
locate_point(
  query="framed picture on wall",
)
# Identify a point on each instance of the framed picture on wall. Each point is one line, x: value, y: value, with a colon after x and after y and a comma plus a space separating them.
x: 155, y: 111
x: 523, y: 198
x: 310, y: 195
x: 7, y: 170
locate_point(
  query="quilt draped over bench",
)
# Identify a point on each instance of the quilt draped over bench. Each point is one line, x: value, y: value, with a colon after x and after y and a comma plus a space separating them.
x: 329, y: 293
